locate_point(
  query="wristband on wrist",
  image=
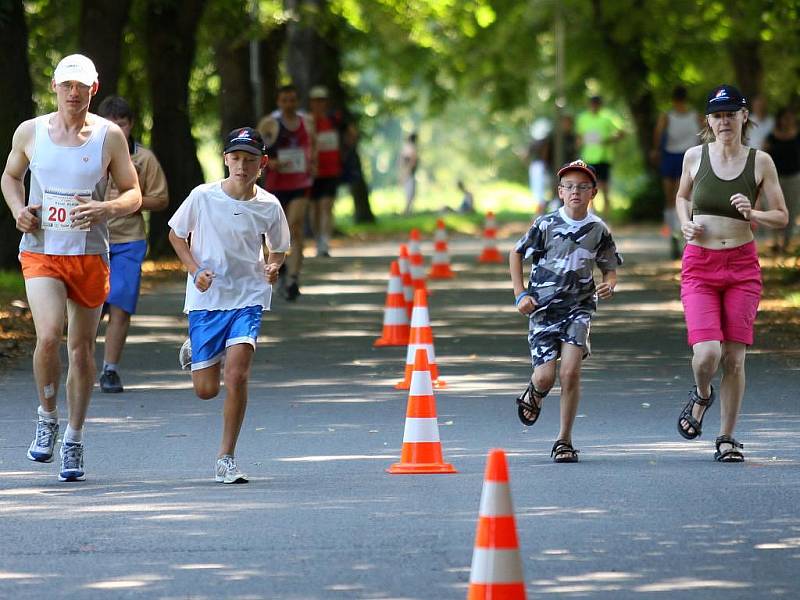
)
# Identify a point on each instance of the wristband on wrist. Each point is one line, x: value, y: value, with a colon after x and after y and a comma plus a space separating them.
x: 199, y: 270
x: 519, y: 297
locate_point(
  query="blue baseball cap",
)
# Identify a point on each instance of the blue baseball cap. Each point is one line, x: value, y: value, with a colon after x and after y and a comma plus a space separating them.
x: 245, y: 139
x: 725, y: 98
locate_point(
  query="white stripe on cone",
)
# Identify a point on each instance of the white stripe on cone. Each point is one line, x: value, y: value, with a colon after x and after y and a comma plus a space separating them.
x: 420, y: 317
x: 495, y: 566
x: 420, y: 384
x: 395, y: 316
x: 395, y: 285
x: 495, y: 500
x: 439, y: 258
x: 421, y: 430
x: 412, y: 351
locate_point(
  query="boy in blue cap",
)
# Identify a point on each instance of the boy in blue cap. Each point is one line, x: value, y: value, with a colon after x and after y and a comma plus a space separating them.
x: 229, y: 282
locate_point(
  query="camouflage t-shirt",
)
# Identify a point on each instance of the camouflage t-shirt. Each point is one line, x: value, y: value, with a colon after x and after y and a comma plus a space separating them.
x: 564, y: 253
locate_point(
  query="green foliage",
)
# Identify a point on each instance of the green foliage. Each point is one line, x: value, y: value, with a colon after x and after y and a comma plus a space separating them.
x: 52, y: 34
x: 471, y: 75
x: 12, y: 285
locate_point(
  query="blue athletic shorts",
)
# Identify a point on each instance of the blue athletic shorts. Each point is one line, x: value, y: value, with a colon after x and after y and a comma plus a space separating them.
x: 126, y: 274
x: 213, y: 331
x: 671, y: 165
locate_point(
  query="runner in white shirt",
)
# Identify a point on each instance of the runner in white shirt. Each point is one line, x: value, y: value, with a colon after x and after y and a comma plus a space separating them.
x: 229, y: 282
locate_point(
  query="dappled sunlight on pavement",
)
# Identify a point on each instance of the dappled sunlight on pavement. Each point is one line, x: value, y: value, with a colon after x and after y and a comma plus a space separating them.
x: 644, y: 514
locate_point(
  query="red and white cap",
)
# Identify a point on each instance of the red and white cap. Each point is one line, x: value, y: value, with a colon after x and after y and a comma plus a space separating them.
x: 578, y: 165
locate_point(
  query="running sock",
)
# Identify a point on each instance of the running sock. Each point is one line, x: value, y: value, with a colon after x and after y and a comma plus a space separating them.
x: 73, y: 436
x: 109, y: 366
x: 51, y: 416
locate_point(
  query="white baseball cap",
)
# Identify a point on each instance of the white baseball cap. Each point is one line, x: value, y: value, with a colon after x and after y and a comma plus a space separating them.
x: 75, y: 67
x: 318, y: 92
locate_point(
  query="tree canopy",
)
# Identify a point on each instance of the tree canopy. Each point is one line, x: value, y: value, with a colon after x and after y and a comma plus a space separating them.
x: 472, y: 75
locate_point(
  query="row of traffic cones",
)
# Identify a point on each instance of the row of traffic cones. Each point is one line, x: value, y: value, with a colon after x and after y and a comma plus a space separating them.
x: 496, y: 571
x: 408, y: 275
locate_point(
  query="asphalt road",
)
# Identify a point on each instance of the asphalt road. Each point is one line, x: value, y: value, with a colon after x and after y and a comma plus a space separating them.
x: 645, y: 514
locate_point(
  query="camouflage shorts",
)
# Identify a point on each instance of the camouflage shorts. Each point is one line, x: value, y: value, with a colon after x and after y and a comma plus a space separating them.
x: 546, y: 336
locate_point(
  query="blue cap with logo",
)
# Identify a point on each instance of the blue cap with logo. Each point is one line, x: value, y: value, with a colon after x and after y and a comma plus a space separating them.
x: 245, y: 139
x: 725, y: 98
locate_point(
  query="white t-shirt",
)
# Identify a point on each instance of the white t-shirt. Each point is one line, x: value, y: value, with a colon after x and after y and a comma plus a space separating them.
x: 226, y: 239
x: 760, y: 130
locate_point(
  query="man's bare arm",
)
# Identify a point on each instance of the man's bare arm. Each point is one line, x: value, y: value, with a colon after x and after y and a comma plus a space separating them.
x: 13, y: 179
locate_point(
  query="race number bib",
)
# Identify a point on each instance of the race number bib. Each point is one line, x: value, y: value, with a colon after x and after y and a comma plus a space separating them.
x: 56, y: 206
x: 328, y: 141
x: 292, y: 160
x: 593, y: 137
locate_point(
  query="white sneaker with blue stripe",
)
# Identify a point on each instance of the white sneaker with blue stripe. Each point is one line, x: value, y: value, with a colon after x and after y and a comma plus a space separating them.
x: 44, y: 443
x: 71, y: 462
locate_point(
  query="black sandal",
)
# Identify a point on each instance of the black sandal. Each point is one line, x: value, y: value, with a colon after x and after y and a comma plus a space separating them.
x: 686, y: 414
x: 563, y: 452
x: 527, y: 408
x: 728, y: 456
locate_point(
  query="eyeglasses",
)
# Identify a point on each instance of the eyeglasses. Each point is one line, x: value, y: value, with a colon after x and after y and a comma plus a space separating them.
x: 581, y: 187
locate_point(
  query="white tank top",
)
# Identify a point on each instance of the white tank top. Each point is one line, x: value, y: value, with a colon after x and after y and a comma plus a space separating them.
x: 681, y: 131
x: 58, y: 173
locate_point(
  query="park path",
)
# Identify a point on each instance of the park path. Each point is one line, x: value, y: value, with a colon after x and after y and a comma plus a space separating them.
x: 644, y: 515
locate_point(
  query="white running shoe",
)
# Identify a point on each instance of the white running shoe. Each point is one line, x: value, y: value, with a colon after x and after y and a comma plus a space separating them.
x: 185, y: 355
x: 43, y: 445
x: 227, y: 471
x: 71, y: 462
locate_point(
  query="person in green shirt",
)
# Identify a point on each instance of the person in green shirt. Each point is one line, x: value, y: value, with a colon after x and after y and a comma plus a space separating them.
x: 597, y: 129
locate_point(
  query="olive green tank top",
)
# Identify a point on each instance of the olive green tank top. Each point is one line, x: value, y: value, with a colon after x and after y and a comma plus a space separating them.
x: 712, y: 195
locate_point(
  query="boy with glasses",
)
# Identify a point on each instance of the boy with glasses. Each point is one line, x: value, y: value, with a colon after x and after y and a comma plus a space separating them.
x: 564, y: 246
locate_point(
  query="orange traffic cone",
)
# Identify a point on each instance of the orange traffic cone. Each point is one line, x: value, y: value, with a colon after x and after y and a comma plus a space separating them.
x: 490, y: 252
x: 416, y: 262
x: 496, y: 565
x: 405, y: 274
x: 421, y: 336
x: 422, y: 450
x: 440, y: 267
x: 395, y: 317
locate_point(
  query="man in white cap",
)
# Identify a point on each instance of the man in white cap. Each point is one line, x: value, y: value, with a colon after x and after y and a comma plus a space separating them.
x: 64, y: 246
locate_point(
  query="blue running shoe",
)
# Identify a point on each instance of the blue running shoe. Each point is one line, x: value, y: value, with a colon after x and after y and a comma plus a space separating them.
x: 43, y: 445
x: 71, y: 462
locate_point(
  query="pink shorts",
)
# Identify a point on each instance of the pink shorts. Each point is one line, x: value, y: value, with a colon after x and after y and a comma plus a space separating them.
x: 720, y: 291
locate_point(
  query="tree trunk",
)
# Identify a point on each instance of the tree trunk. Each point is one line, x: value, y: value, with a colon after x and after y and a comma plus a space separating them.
x: 100, y: 32
x: 313, y: 58
x: 746, y: 58
x: 236, y: 93
x: 271, y: 51
x: 631, y: 72
x: 171, y: 26
x: 16, y: 107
